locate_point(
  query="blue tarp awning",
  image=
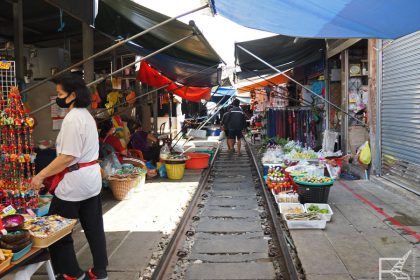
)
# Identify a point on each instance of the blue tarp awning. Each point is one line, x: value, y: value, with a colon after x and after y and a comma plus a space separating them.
x: 386, y: 19
x: 222, y: 93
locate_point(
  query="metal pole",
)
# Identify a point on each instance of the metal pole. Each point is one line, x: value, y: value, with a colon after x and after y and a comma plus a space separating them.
x: 303, y: 86
x: 121, y: 69
x: 120, y: 43
x: 139, y: 60
x: 170, y: 115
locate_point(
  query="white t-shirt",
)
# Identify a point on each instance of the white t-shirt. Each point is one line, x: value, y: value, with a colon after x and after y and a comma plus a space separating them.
x: 78, y: 137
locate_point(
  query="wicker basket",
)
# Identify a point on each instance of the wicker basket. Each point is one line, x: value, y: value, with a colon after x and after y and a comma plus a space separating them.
x: 122, y: 188
x: 44, y: 242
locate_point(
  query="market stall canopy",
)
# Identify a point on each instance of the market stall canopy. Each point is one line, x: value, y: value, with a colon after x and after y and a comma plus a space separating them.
x: 125, y: 18
x: 245, y: 86
x: 150, y: 76
x: 222, y: 92
x: 325, y: 18
x: 84, y: 10
x: 280, y: 51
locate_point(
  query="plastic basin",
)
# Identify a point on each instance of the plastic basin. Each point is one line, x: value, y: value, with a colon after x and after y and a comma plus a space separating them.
x: 197, y: 161
x: 213, y: 131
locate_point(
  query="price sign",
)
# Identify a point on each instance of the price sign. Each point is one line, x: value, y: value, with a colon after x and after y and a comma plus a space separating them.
x: 9, y: 210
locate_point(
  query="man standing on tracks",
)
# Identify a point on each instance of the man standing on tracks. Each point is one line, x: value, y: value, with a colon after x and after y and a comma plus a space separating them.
x: 235, y: 123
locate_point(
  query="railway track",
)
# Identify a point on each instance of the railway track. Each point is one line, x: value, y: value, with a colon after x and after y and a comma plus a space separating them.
x: 231, y: 229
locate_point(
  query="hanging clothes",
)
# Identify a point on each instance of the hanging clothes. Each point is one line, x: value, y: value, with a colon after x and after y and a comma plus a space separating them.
x: 296, y: 124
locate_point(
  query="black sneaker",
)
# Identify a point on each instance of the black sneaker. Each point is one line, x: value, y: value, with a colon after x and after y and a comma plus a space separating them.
x: 98, y: 276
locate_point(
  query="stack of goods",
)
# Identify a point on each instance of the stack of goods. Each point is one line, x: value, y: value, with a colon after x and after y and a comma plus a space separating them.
x: 47, y: 230
x: 296, y: 175
x: 17, y: 154
x: 16, y: 239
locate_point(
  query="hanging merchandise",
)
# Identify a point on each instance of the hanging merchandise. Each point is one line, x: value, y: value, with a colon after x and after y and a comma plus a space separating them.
x: 96, y: 100
x: 17, y: 154
x: 293, y: 123
x: 116, y: 82
x: 131, y: 97
x: 113, y: 98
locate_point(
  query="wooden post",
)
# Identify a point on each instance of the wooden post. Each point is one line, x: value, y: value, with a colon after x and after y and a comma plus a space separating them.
x: 18, y: 38
x: 88, y: 66
x: 372, y: 112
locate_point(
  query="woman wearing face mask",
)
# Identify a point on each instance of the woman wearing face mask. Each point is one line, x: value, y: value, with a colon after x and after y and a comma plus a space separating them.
x: 77, y: 181
x: 107, y: 137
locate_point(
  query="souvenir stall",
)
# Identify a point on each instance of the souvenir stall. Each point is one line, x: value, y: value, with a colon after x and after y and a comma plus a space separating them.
x: 23, y: 231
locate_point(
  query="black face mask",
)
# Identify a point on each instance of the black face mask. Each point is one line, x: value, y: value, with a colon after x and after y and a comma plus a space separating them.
x: 61, y: 102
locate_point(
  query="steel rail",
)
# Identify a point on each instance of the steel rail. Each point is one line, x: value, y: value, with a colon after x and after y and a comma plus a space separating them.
x: 279, y: 234
x: 167, y: 261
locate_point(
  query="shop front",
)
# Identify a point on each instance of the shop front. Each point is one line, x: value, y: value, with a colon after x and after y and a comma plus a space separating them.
x: 348, y: 88
x: 400, y: 111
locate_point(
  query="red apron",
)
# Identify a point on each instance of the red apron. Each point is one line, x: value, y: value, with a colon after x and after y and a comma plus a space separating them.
x: 56, y: 179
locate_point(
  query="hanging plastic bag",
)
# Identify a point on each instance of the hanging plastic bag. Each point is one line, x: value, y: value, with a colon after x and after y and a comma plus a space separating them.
x: 365, y: 155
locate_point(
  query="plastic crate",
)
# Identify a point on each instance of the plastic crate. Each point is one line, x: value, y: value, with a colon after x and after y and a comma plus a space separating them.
x: 326, y: 217
x: 43, y: 210
x: 21, y: 253
x: 313, y: 194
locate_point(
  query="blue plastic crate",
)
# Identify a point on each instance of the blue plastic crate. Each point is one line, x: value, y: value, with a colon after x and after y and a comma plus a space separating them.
x: 42, y: 211
x: 21, y: 253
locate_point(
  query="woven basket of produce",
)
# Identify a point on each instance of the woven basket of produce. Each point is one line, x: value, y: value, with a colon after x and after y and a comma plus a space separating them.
x: 122, y: 186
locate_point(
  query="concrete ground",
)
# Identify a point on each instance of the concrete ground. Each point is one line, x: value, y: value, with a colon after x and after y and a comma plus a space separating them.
x: 135, y: 227
x: 370, y: 221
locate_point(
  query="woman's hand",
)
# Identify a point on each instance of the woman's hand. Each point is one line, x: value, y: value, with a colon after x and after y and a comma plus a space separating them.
x: 36, y: 182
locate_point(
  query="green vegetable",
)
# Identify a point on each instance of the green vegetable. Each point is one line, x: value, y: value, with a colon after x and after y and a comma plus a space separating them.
x: 315, y: 208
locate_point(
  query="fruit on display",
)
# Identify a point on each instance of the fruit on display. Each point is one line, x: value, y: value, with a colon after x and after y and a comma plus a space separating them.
x: 278, y: 181
x: 315, y: 180
x: 315, y: 209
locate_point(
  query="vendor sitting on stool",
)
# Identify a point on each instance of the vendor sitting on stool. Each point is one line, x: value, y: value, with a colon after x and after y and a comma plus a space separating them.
x: 146, y: 142
x: 106, y: 136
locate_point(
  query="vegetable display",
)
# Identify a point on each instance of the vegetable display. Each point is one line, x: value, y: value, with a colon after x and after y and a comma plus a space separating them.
x: 303, y: 217
x: 315, y: 209
x: 315, y: 180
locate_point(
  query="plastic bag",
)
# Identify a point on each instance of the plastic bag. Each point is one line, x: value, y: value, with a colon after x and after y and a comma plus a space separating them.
x: 162, y: 171
x: 365, y: 155
x: 111, y: 164
x: 222, y: 136
x: 165, y: 152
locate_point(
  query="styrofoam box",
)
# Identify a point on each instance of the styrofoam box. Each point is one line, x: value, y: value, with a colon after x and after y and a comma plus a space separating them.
x: 313, y: 224
x: 326, y: 217
x: 284, y: 206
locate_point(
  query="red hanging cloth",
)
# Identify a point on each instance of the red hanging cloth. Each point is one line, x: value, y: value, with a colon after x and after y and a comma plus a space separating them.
x: 153, y: 78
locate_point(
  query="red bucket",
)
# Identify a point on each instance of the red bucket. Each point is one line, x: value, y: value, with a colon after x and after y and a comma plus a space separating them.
x: 197, y: 161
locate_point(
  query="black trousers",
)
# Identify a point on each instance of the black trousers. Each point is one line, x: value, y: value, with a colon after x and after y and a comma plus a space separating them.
x: 89, y: 212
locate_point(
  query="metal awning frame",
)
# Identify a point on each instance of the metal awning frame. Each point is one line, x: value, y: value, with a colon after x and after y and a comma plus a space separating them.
x: 107, y: 50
